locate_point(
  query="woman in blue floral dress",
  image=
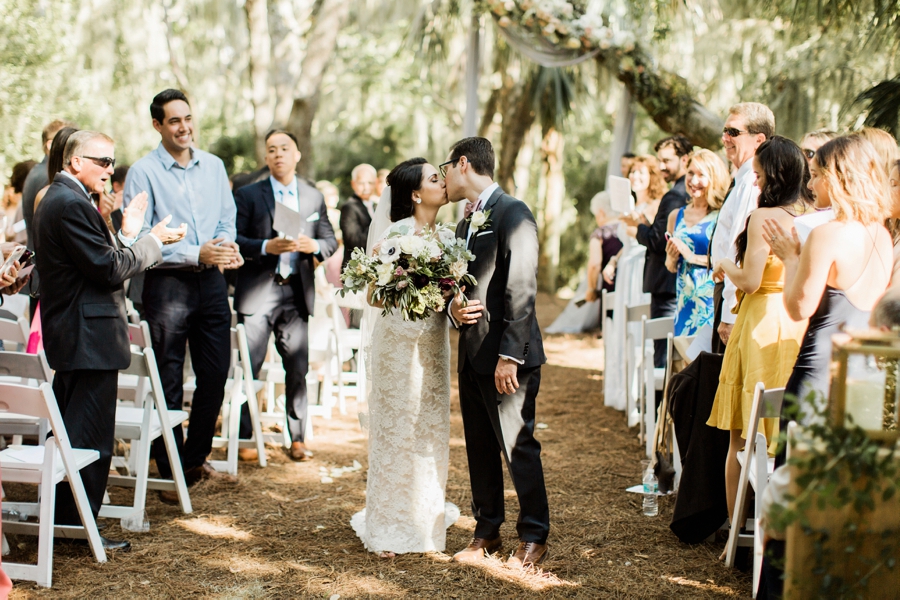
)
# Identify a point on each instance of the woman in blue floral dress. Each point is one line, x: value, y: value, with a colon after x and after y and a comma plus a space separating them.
x: 690, y: 231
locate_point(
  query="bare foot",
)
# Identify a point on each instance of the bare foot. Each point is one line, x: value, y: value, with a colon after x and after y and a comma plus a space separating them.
x: 386, y: 555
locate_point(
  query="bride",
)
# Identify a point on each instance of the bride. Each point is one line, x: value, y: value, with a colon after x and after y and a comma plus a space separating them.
x: 409, y: 401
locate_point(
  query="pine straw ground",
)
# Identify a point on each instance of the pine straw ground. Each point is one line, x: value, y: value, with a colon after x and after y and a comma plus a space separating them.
x: 282, y: 533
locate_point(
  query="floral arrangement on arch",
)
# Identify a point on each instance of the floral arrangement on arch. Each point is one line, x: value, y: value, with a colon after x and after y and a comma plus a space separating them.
x: 411, y: 271
x: 564, y: 23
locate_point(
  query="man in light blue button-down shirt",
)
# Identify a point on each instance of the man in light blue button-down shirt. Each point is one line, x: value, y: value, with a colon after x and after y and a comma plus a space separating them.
x: 185, y: 298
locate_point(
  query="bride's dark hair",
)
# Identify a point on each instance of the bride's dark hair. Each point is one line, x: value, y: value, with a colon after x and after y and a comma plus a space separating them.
x: 404, y: 179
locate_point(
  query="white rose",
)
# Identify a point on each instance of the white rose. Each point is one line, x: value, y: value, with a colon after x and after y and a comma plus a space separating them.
x: 412, y: 244
x: 433, y: 250
x: 458, y: 269
x: 385, y: 273
x: 389, y: 250
x: 478, y: 220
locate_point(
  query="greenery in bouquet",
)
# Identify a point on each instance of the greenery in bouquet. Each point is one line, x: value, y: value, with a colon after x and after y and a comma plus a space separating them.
x: 412, y: 271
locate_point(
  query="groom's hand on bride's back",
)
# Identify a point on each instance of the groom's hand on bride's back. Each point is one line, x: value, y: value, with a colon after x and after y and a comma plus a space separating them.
x: 465, y: 312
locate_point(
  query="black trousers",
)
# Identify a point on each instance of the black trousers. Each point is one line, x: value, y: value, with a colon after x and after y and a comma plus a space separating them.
x: 87, y: 402
x: 181, y: 307
x: 280, y: 314
x: 718, y: 346
x: 661, y: 305
x: 503, y: 426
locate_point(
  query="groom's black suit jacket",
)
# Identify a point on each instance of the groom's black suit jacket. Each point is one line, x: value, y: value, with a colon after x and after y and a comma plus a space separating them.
x: 505, y: 266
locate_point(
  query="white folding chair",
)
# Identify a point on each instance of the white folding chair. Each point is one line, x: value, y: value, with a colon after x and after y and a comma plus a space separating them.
x: 133, y: 389
x: 634, y: 356
x: 25, y: 369
x: 240, y: 388
x: 652, y: 379
x: 607, y: 304
x: 343, y: 342
x: 15, y: 332
x: 140, y: 425
x: 756, y: 466
x: 46, y: 466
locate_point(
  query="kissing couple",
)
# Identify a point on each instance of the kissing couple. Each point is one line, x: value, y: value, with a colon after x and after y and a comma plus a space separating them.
x: 499, y: 370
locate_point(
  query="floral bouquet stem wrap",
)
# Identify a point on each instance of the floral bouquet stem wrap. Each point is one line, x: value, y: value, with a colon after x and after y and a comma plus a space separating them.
x: 411, y: 271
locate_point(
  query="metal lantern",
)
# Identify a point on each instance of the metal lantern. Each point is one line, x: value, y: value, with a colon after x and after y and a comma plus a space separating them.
x: 865, y: 369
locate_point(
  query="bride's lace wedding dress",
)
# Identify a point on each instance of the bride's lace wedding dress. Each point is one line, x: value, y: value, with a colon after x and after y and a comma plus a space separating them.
x: 409, y: 436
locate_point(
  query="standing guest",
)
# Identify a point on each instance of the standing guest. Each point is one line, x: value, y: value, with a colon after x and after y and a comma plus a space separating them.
x: 85, y: 331
x: 381, y: 182
x: 894, y: 221
x: 844, y: 266
x: 55, y: 160
x: 748, y: 125
x: 814, y: 140
x: 356, y: 217
x: 765, y: 340
x: 603, y: 246
x: 117, y: 181
x: 625, y: 163
x: 690, y: 230
x: 275, y: 290
x: 186, y: 298
x: 332, y: 198
x: 672, y: 153
x: 12, y: 198
x: 885, y: 145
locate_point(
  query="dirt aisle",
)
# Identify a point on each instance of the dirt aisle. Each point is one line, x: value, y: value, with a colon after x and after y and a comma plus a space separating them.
x: 283, y: 533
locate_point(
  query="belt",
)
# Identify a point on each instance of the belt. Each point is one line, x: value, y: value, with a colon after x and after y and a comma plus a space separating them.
x: 282, y: 280
x: 194, y: 268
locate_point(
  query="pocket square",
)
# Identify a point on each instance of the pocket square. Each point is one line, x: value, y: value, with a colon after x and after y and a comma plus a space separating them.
x: 483, y: 233
x: 313, y: 218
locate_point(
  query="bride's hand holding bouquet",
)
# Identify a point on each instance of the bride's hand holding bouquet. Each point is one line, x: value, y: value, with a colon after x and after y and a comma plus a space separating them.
x: 414, y: 272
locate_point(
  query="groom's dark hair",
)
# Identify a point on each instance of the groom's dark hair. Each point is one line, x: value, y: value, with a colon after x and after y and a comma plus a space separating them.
x: 478, y: 151
x: 404, y: 179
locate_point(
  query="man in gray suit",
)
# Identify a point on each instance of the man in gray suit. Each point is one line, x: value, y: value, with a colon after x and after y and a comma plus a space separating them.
x: 500, y: 356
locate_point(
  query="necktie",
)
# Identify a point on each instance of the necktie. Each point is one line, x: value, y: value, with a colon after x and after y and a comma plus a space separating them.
x: 469, y: 230
x: 284, y: 260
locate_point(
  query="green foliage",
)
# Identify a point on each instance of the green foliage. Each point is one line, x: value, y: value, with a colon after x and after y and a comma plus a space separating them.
x: 339, y: 152
x: 238, y: 152
x: 883, y: 105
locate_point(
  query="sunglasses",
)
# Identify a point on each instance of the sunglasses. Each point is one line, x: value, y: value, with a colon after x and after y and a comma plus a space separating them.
x: 102, y: 161
x: 443, y: 167
x: 808, y: 153
x: 733, y: 132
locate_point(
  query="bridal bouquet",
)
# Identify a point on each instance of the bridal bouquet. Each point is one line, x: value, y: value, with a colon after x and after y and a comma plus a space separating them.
x: 411, y: 271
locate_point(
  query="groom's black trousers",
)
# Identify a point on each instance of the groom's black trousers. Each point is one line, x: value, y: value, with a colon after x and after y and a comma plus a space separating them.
x: 503, y: 425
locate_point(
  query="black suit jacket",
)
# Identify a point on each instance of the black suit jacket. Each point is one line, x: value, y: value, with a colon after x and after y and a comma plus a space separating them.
x: 83, y: 271
x: 657, y: 278
x: 355, y: 221
x: 505, y: 266
x: 255, y: 214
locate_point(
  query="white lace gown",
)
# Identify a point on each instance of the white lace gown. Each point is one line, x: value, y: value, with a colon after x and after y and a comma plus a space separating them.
x: 409, y: 437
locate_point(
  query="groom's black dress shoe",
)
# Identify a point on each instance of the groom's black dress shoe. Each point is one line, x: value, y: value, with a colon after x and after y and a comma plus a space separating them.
x: 478, y: 549
x: 108, y: 544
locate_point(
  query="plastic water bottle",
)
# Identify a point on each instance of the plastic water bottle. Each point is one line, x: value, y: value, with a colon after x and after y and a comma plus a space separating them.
x: 651, y: 508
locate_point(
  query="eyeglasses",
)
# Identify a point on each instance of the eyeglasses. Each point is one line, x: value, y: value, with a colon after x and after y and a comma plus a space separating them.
x: 808, y: 153
x: 102, y: 161
x: 443, y: 167
x: 733, y: 132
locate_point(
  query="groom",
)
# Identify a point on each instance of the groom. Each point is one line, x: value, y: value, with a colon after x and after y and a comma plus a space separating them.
x: 500, y: 356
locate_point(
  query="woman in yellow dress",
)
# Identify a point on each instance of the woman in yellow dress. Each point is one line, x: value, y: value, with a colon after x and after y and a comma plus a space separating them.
x: 765, y: 340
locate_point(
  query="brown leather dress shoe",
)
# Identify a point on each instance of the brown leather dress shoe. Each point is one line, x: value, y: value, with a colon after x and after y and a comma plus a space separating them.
x: 168, y: 497
x: 206, y: 471
x: 478, y: 549
x: 527, y: 555
x: 298, y: 452
x: 248, y: 454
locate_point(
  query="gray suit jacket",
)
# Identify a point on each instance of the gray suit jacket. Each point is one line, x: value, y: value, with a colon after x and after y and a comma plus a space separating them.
x: 505, y: 266
x: 84, y: 268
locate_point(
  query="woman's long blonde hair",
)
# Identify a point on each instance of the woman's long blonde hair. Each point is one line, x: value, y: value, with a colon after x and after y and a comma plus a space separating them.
x: 714, y: 168
x: 857, y: 184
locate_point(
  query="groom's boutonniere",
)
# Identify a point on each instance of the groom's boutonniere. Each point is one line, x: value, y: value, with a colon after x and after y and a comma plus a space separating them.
x: 478, y: 220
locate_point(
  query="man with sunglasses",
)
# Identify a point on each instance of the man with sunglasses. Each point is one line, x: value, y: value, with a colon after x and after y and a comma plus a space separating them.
x: 186, y: 298
x: 748, y: 125
x: 85, y: 332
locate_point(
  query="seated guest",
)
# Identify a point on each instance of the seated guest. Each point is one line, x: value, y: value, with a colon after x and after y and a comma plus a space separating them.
x: 356, y: 217
x: 85, y: 331
x: 844, y: 266
x: 765, y: 340
x: 603, y: 245
x: 689, y: 231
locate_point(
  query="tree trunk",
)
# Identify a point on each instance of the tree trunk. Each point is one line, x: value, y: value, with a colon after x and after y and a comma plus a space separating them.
x: 320, y: 48
x: 289, y: 23
x: 180, y: 78
x: 551, y: 195
x: 667, y: 97
x: 260, y: 60
x: 517, y: 108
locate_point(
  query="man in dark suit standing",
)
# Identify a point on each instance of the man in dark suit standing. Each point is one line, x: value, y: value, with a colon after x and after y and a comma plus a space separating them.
x: 275, y: 288
x: 83, y: 312
x: 356, y: 217
x: 673, y: 153
x: 500, y: 356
